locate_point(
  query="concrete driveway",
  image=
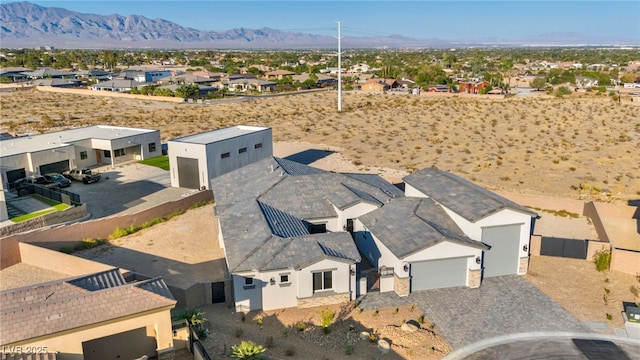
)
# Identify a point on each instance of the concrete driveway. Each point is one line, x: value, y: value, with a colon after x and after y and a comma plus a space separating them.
x: 128, y: 188
x: 501, y: 306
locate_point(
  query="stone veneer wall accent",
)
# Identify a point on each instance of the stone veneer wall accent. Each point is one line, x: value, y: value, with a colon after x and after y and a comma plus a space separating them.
x: 401, y: 285
x: 523, y: 267
x: 475, y: 277
x: 323, y: 300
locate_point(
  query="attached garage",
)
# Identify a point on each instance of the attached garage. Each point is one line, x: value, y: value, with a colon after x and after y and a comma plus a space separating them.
x: 56, y: 167
x: 188, y: 173
x: 440, y: 273
x: 502, y: 258
x: 13, y: 175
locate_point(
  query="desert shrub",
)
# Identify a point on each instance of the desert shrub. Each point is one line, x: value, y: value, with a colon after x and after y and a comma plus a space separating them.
x: 602, y: 259
x: 242, y: 317
x: 247, y: 350
x: 259, y: 321
x: 373, y: 337
x: 421, y: 319
x: 195, y: 318
x: 348, y: 349
x: 562, y: 90
x: 238, y: 332
x: 118, y: 233
x: 301, y: 326
x: 290, y: 352
x: 327, y: 316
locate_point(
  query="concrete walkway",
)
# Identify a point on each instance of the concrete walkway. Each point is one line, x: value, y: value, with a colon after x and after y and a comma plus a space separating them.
x: 501, y: 306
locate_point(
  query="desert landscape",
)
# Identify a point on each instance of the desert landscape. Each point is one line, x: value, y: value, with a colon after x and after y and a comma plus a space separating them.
x: 578, y: 146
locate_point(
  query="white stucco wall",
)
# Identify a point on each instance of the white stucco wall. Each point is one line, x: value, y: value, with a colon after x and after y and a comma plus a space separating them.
x: 343, y: 282
x: 352, y: 212
x: 377, y: 253
x: 247, y: 298
x: 413, y: 192
x: 279, y: 295
x: 504, y: 217
x: 331, y: 223
x: 190, y: 151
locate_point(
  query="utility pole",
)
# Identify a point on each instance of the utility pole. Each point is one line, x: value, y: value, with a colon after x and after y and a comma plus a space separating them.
x: 339, y: 70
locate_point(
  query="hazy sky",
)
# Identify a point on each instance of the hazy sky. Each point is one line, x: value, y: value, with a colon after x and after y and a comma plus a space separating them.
x: 448, y: 20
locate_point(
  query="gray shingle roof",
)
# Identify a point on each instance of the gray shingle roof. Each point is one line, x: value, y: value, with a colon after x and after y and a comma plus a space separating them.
x: 262, y: 209
x: 56, y: 306
x: 465, y: 198
x: 407, y: 225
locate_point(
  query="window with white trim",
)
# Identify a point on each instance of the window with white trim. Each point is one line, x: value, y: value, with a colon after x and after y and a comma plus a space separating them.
x: 322, y: 280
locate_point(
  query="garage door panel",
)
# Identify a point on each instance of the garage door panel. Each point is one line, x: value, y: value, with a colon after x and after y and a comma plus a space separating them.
x: 56, y: 167
x: 441, y: 273
x: 503, y: 257
x: 188, y: 173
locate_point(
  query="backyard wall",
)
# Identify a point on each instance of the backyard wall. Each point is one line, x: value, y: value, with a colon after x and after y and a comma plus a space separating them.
x: 69, y: 235
x: 56, y: 217
x: 109, y: 94
x: 625, y: 261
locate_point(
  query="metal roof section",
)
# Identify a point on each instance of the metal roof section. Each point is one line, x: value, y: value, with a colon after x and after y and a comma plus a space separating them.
x: 295, y: 168
x: 59, y: 139
x: 99, y: 281
x: 281, y: 223
x: 220, y: 134
x: 465, y: 198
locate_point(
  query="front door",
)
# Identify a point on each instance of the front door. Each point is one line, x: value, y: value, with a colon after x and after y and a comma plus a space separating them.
x: 217, y: 292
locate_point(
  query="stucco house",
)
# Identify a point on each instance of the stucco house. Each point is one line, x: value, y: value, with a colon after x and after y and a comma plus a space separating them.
x: 73, y: 308
x: 286, y: 232
x: 287, y: 229
x: 481, y: 215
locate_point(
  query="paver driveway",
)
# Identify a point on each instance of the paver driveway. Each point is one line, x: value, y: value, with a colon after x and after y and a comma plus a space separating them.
x: 501, y: 306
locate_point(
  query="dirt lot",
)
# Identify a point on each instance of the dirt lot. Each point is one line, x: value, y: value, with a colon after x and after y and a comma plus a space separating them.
x: 581, y: 146
x: 583, y: 291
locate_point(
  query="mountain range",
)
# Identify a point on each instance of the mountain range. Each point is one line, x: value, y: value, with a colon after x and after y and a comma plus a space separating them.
x: 28, y: 25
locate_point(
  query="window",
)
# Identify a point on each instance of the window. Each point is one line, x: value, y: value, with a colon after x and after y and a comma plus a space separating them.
x: 225, y: 155
x: 107, y: 153
x: 322, y: 280
x: 119, y: 152
x: 152, y: 147
x: 248, y: 281
x: 284, y: 278
x: 83, y: 155
x: 257, y: 146
x: 242, y: 150
x: 317, y: 228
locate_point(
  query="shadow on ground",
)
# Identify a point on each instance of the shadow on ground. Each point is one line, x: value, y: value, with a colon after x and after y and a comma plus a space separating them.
x: 309, y: 156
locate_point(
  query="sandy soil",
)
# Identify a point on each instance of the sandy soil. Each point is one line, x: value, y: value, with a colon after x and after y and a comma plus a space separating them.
x: 581, y: 146
x: 313, y: 343
x: 580, y: 289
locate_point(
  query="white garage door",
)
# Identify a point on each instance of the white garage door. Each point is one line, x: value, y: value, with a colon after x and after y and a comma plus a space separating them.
x: 503, y: 257
x: 441, y: 273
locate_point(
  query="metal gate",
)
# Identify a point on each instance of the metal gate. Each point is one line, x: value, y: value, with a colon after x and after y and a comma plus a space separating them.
x: 567, y: 248
x: 217, y: 292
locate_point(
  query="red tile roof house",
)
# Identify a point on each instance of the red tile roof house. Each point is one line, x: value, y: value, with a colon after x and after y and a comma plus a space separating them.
x: 471, y: 87
x: 96, y: 315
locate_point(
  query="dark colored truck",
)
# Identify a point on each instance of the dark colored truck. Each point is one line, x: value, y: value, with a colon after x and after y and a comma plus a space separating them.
x: 85, y: 175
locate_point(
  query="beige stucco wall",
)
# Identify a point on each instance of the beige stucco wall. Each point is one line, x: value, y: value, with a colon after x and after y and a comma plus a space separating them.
x: 68, y: 344
x: 59, y: 262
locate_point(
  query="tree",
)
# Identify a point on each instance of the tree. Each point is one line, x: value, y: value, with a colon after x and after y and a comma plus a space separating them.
x: 187, y: 91
x: 538, y: 83
x: 162, y: 92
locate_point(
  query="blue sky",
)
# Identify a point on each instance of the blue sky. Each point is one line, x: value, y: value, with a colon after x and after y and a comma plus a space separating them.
x: 450, y: 20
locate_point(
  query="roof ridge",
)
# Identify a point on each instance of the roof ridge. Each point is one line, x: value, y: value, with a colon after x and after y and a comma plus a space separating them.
x: 249, y: 254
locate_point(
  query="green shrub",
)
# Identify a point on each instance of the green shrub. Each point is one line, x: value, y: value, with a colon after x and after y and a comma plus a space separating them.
x: 117, y: 233
x: 259, y: 321
x: 327, y: 316
x: 247, y: 350
x: 348, y: 349
x: 301, y: 326
x: 602, y: 259
x: 421, y: 319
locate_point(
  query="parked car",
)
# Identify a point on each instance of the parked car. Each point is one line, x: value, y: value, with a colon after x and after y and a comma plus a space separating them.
x: 85, y: 175
x: 59, y: 179
x: 26, y: 184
